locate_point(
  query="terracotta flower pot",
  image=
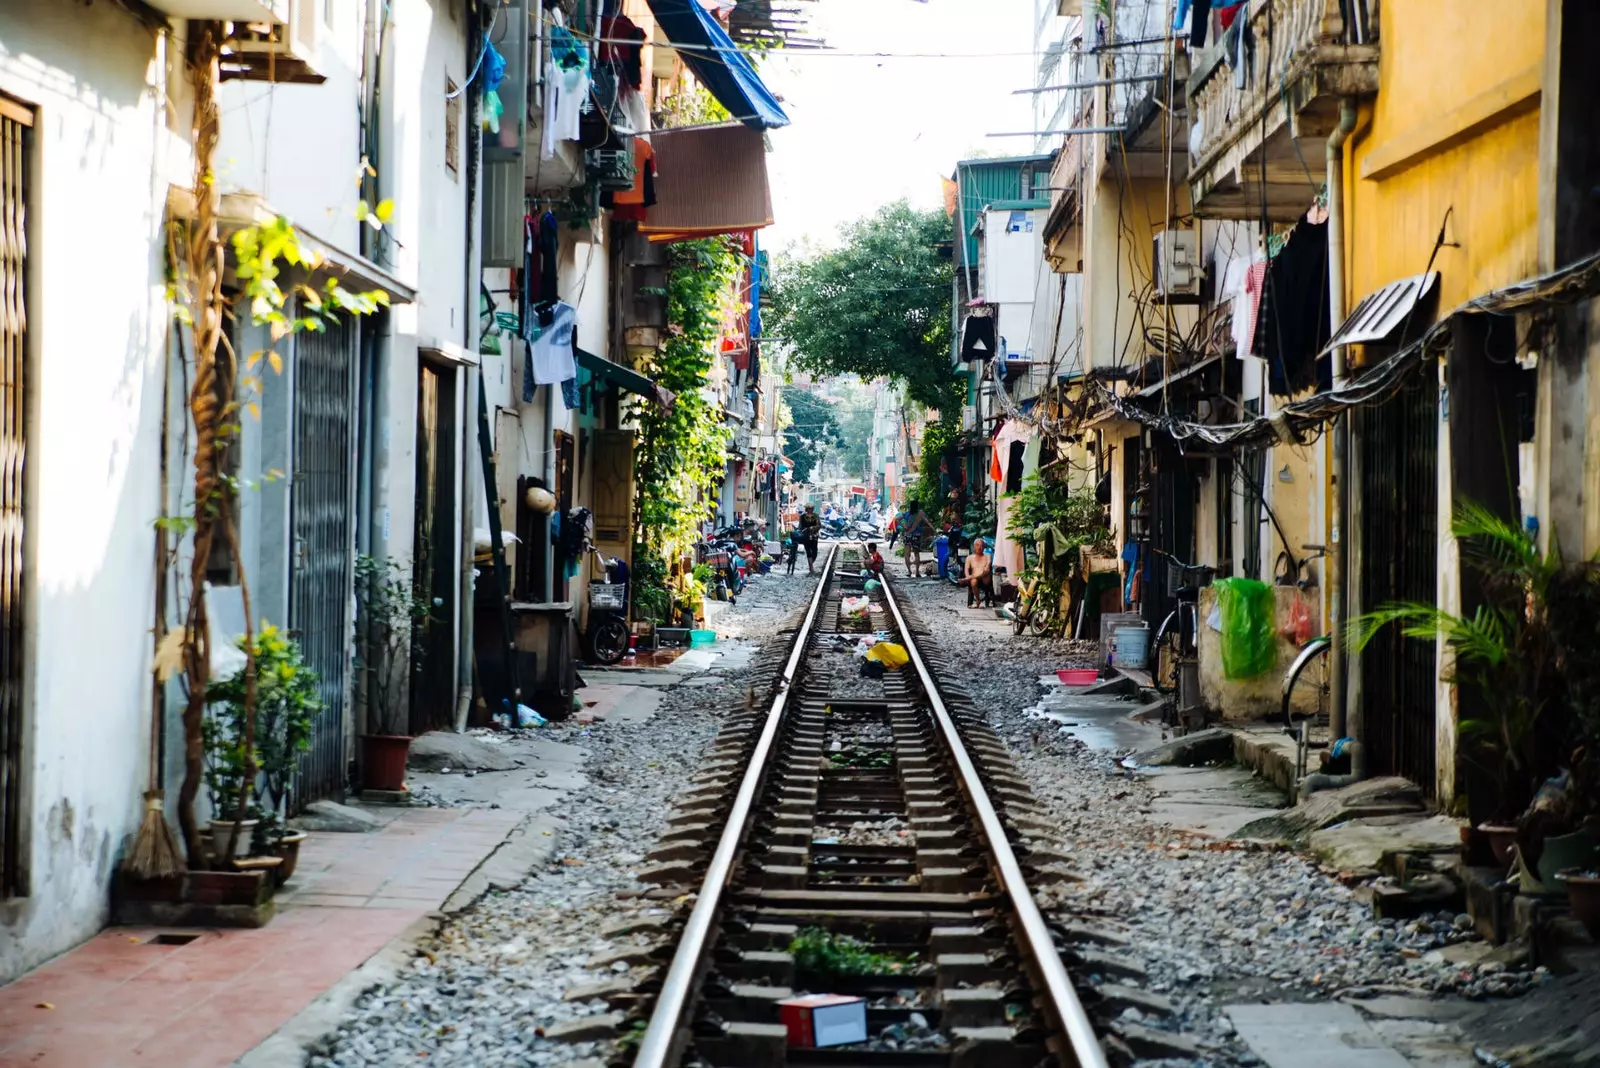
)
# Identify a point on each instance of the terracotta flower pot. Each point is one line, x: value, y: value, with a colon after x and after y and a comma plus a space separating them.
x: 1583, y: 895
x: 287, y: 849
x: 1502, y: 837
x: 383, y: 761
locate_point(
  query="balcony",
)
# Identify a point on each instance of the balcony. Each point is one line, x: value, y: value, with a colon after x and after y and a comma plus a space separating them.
x: 1305, y: 60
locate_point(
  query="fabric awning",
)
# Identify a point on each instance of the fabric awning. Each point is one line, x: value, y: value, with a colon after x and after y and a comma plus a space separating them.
x: 719, y: 64
x: 625, y: 378
x: 709, y: 181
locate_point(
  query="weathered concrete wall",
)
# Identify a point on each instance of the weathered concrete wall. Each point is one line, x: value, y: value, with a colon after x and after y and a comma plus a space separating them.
x: 1260, y: 697
x: 97, y: 324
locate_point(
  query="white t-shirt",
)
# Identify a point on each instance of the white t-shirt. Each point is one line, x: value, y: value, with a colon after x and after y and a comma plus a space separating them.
x: 551, y: 349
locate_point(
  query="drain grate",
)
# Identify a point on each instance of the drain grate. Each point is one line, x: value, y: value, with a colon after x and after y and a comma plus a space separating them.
x: 169, y: 938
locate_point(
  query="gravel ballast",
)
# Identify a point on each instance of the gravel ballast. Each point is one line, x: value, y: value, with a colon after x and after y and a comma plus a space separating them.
x: 1206, y: 922
x: 495, y: 978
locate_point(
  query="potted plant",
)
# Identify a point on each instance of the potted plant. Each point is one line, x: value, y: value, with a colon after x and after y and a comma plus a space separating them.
x: 230, y: 764
x: 389, y: 616
x: 287, y: 702
x: 1530, y: 654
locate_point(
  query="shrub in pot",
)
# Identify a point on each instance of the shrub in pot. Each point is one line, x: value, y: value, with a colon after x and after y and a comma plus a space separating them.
x: 287, y: 702
x: 390, y: 620
x: 1529, y: 656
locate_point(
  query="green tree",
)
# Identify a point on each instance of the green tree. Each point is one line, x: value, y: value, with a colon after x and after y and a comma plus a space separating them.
x: 813, y: 429
x: 878, y: 306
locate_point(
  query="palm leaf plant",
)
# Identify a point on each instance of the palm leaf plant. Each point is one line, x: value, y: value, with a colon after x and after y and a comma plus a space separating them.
x: 1528, y: 652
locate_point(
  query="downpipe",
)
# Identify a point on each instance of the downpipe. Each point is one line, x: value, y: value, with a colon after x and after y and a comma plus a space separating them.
x: 1341, y: 723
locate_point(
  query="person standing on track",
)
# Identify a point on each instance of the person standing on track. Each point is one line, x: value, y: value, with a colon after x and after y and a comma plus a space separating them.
x: 810, y: 530
x: 915, y: 530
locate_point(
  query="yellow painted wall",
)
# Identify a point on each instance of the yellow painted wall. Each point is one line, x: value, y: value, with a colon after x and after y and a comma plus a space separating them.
x: 1437, y: 56
x: 1121, y: 220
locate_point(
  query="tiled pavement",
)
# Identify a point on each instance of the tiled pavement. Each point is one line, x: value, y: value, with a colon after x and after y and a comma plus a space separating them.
x: 125, y: 998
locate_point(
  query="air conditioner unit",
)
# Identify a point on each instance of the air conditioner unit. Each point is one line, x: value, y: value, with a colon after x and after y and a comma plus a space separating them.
x: 288, y: 49
x: 1177, y: 266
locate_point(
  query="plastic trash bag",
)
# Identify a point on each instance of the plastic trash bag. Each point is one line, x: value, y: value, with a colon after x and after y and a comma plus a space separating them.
x: 889, y: 654
x: 1249, y: 641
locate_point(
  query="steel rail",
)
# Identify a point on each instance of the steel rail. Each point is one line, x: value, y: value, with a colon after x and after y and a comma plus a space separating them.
x: 1063, y: 999
x: 677, y: 989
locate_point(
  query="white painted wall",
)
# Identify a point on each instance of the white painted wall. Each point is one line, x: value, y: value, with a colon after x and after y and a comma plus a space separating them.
x: 97, y: 328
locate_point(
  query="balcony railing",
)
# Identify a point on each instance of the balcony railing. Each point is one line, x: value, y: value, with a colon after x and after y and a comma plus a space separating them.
x: 1263, y: 124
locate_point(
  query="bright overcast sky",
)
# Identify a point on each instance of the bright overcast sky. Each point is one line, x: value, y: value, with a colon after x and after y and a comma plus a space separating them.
x: 869, y: 131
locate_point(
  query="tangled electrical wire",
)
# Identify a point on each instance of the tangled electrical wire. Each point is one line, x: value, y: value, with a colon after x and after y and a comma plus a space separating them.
x: 1301, y: 422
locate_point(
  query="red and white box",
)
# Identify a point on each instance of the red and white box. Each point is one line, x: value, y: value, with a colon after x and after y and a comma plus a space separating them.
x: 824, y: 1020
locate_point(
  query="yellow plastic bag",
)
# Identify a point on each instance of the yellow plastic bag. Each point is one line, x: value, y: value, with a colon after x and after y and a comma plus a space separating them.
x: 890, y: 655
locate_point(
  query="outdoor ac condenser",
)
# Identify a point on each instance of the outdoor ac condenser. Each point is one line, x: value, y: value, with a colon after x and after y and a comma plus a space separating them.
x: 1177, y: 266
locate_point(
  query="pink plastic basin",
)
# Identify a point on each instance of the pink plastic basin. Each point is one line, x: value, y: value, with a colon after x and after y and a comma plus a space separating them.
x: 1078, y: 676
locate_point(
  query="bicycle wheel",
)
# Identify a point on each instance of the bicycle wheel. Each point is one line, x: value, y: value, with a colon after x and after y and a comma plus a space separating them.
x: 1040, y: 619
x: 1165, y: 654
x: 1306, y: 685
x: 608, y: 640
x: 1019, y: 618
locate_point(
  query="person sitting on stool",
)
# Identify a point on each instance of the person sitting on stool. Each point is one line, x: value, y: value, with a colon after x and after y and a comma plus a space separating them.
x: 980, y: 575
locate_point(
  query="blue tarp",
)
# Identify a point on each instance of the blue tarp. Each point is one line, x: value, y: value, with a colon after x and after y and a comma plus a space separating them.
x: 718, y: 63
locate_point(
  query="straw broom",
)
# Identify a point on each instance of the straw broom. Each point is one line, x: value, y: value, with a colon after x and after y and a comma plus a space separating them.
x: 155, y: 853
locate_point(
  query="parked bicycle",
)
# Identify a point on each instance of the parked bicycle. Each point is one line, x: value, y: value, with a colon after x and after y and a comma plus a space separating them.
x: 1308, y: 682
x: 1035, y: 609
x: 607, y: 633
x: 1177, y: 642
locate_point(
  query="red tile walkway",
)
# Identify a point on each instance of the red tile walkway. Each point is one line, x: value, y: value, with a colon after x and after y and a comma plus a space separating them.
x: 123, y: 999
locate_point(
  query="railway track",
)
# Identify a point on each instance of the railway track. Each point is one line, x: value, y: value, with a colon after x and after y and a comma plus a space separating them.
x: 861, y: 837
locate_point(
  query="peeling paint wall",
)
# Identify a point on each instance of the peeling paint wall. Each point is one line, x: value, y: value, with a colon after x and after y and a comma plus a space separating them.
x: 96, y: 338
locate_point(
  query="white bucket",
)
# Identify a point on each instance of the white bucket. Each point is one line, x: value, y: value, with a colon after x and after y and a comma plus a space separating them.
x: 1131, y: 646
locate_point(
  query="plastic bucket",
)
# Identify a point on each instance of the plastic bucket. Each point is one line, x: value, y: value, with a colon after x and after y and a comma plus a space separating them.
x: 1132, y: 646
x: 1078, y: 676
x: 702, y: 637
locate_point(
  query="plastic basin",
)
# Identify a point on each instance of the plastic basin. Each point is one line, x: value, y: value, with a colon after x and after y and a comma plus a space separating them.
x: 702, y: 637
x: 1078, y: 676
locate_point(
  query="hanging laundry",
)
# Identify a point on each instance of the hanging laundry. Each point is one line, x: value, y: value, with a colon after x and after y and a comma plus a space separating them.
x: 1200, y: 23
x: 549, y: 248
x: 550, y: 358
x: 1030, y: 455
x: 1294, y: 315
x: 1246, y: 307
x: 622, y: 45
x: 567, y: 87
x: 630, y: 204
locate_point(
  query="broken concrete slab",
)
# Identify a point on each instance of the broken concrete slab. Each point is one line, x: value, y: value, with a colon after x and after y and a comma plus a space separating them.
x: 332, y: 816
x: 1364, y: 843
x: 1314, y: 1035
x: 1192, y: 750
x: 438, y: 750
x: 1387, y: 796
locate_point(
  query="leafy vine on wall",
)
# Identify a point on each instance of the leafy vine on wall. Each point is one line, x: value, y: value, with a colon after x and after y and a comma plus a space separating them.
x: 681, y: 451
